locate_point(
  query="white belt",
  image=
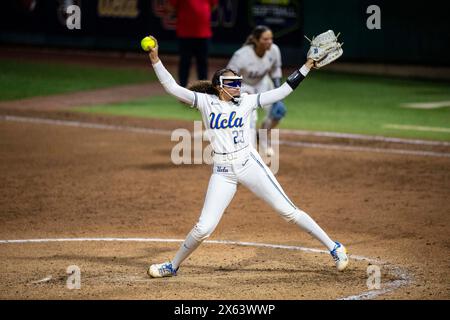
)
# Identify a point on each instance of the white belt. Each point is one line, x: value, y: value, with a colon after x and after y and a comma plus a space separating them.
x: 231, y: 156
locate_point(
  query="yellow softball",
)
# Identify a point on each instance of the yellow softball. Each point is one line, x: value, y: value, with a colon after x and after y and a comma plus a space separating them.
x: 148, y: 43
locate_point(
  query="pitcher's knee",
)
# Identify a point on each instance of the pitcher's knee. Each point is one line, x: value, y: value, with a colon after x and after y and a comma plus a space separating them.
x: 291, y: 215
x: 201, y: 232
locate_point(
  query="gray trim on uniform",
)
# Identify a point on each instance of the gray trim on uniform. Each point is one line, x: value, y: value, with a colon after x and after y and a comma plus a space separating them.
x: 195, y: 100
x: 258, y: 98
x: 274, y: 184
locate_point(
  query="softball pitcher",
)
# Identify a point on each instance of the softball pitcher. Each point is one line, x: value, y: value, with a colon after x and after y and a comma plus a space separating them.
x: 227, y: 116
x: 259, y: 63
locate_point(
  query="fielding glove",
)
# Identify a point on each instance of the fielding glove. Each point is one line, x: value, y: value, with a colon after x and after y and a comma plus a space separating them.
x: 324, y: 49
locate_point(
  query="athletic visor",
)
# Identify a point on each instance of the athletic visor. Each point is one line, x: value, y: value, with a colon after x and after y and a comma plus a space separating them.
x: 233, y: 84
x: 235, y: 81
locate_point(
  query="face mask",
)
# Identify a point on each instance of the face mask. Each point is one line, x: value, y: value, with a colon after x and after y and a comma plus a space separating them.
x: 233, y: 84
x: 235, y: 81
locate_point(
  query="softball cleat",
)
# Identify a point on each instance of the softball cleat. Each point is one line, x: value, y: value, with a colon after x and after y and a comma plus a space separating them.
x: 161, y: 270
x: 339, y: 254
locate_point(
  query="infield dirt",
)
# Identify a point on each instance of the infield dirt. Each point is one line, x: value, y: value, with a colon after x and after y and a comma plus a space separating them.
x: 67, y: 182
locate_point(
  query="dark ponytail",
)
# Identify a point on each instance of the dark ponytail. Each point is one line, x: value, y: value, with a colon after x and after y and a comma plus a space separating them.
x: 203, y: 86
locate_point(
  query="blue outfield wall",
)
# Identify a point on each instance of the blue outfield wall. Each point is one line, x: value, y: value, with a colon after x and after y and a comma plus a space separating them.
x: 410, y: 33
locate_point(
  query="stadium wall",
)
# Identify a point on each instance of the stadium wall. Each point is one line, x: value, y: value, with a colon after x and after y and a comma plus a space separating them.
x: 410, y: 33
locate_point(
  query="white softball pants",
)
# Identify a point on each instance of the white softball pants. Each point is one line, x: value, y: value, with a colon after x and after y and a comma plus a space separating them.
x: 248, y: 169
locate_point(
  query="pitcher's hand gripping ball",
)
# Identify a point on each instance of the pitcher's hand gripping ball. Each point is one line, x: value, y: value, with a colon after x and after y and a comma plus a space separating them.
x: 148, y: 43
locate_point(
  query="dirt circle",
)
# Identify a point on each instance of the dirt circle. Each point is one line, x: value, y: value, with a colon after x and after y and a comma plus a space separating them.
x: 65, y: 182
x: 217, y: 271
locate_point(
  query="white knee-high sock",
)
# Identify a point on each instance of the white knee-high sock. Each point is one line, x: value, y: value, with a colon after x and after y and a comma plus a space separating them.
x: 187, y: 247
x: 303, y: 220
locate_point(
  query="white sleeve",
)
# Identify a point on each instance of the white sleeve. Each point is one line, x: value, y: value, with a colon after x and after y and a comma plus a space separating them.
x: 275, y: 71
x: 279, y: 93
x: 172, y: 87
x: 234, y: 63
x: 274, y: 95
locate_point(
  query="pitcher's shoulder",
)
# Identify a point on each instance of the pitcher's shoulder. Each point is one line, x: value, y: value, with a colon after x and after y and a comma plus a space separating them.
x: 249, y: 100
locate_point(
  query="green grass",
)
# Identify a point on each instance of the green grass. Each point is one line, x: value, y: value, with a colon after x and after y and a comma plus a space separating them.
x: 325, y: 101
x: 331, y: 102
x: 364, y: 104
x: 161, y: 107
x: 20, y: 80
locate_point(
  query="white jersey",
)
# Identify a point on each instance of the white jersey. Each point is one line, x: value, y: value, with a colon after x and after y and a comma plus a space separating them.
x: 253, y: 68
x: 227, y: 124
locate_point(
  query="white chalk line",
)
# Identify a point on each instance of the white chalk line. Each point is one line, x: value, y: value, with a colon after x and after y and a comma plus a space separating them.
x: 353, y: 136
x: 91, y: 125
x: 426, y: 105
x: 72, y: 123
x: 364, y: 149
x: 405, y: 277
x: 416, y: 128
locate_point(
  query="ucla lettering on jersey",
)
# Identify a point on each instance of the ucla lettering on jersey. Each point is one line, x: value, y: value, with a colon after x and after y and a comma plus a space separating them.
x: 227, y: 124
x: 219, y: 122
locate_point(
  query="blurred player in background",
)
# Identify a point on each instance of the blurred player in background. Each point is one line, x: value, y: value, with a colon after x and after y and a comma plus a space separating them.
x: 259, y: 63
x: 194, y: 33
